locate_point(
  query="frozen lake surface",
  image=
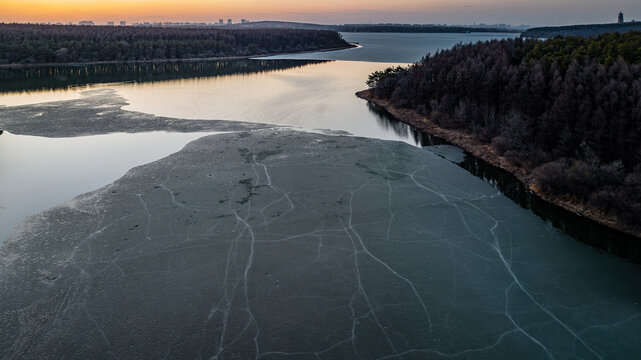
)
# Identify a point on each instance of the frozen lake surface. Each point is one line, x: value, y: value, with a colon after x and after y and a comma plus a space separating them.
x: 271, y: 244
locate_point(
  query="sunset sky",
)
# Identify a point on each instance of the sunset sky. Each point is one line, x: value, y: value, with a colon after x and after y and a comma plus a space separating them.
x: 541, y: 12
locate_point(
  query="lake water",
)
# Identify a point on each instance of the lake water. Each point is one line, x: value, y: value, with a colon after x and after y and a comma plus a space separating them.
x: 496, y: 278
x: 315, y: 96
x: 289, y: 91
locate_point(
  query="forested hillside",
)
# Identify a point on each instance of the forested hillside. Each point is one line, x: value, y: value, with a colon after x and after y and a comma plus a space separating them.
x: 580, y: 30
x: 564, y: 109
x: 34, y: 44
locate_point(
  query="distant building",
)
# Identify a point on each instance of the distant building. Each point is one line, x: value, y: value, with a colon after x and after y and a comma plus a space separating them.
x: 229, y: 22
x: 86, y: 23
x: 244, y: 21
x: 123, y: 23
x: 620, y: 18
x: 110, y: 23
x: 221, y: 22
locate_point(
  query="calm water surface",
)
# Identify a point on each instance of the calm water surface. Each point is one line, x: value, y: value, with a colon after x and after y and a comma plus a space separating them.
x: 315, y: 96
x: 38, y: 173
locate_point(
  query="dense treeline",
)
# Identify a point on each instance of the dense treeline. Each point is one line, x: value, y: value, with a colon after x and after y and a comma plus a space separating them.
x: 580, y: 30
x: 577, y: 129
x: 606, y: 48
x: 29, y: 44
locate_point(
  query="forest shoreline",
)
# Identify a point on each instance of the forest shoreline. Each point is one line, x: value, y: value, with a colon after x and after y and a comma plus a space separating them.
x: 489, y: 154
x: 156, y: 61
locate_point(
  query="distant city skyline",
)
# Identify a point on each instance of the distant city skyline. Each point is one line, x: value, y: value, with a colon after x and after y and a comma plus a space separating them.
x: 513, y: 12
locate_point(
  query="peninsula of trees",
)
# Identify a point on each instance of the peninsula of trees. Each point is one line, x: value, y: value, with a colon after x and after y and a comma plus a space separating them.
x: 39, y: 44
x: 564, y: 115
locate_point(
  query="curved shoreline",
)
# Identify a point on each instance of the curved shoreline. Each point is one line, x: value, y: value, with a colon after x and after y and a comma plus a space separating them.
x: 155, y: 61
x: 488, y: 154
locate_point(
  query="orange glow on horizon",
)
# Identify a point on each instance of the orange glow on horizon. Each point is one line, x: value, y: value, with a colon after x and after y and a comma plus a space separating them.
x: 185, y: 10
x: 321, y: 11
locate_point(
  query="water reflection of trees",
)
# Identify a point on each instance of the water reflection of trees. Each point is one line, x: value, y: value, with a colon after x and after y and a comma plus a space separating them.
x: 401, y: 129
x: 579, y: 227
x: 60, y: 77
x: 389, y: 123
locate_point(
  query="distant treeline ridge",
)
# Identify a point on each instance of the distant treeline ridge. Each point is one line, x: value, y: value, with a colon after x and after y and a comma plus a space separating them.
x: 580, y: 30
x: 402, y: 28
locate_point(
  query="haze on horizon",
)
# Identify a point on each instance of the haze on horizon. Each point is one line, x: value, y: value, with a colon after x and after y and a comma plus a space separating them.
x: 546, y: 12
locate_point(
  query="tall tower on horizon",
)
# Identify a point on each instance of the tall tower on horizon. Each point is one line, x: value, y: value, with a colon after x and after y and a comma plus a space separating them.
x: 620, y: 18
